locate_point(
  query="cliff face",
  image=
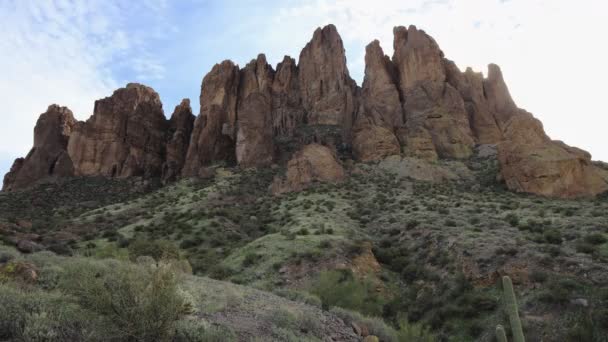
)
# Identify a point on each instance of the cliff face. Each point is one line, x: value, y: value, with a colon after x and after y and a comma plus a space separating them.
x: 125, y: 136
x: 417, y: 103
x: 49, y: 156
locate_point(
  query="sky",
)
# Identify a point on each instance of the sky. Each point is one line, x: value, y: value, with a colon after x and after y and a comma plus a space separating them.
x: 552, y: 53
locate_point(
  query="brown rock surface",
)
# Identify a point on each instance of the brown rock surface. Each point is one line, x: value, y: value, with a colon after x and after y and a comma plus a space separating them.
x: 214, y: 136
x: 287, y: 110
x: 380, y: 112
x: 254, y: 139
x: 380, y: 95
x: 326, y: 88
x: 481, y: 117
x: 372, y: 142
x: 180, y: 130
x: 48, y: 157
x: 125, y: 136
x: 312, y: 163
x: 499, y: 98
x: 431, y: 103
x: 531, y: 162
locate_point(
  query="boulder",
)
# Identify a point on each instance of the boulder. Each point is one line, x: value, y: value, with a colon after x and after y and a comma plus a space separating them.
x: 430, y: 103
x: 531, y: 162
x: 125, y: 136
x: 180, y: 130
x: 325, y: 85
x: 48, y: 157
x: 254, y: 137
x: 313, y: 163
x: 214, y: 134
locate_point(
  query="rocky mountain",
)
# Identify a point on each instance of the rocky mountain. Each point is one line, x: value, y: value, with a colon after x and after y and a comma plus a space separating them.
x: 415, y: 104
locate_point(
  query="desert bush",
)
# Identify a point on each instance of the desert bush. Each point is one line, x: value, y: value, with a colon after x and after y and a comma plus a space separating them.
x: 341, y: 288
x: 40, y: 316
x: 595, y: 239
x: 190, y: 330
x: 138, y: 303
x: 157, y: 249
x: 414, y: 332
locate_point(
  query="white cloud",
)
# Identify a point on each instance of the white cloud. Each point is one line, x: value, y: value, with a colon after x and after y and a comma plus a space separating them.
x: 552, y: 52
x: 63, y: 51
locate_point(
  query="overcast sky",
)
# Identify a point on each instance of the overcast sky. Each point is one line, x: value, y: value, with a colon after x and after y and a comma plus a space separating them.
x: 553, y: 53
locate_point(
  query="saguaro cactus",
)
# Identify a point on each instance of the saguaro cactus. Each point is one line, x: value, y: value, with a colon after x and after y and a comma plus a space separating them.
x: 500, y: 334
x: 512, y: 311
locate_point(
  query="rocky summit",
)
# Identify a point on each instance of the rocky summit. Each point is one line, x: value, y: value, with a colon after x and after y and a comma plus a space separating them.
x: 416, y: 103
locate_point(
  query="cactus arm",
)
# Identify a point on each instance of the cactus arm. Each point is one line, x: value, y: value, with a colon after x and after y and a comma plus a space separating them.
x: 512, y: 311
x: 500, y: 334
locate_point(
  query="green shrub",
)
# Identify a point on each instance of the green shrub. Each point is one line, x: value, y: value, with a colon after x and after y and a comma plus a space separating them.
x: 342, y: 289
x: 139, y: 303
x: 157, y: 249
x: 553, y: 236
x: 596, y: 239
x: 250, y: 259
x: 40, y: 316
x: 414, y: 332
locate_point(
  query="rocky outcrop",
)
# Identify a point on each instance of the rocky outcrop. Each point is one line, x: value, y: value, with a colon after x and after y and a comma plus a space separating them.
x: 372, y: 142
x: 125, y: 136
x: 415, y: 104
x: 430, y: 103
x: 380, y: 112
x: 214, y: 133
x: 531, y: 162
x: 180, y: 130
x: 254, y: 137
x: 499, y: 99
x: 380, y: 94
x: 287, y: 110
x: 482, y: 118
x: 326, y: 87
x: 313, y: 163
x: 48, y: 157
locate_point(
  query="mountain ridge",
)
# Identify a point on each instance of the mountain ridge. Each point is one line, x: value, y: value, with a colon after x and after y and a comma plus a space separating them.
x: 417, y: 103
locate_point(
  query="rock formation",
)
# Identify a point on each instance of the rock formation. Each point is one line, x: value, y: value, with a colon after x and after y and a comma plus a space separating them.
x: 124, y: 137
x: 312, y: 163
x: 430, y: 103
x: 214, y: 134
x: 380, y: 112
x: 325, y: 84
x: 481, y: 116
x: 531, y: 162
x: 180, y: 129
x: 254, y: 137
x: 415, y: 104
x: 48, y: 157
x: 287, y: 110
x: 372, y: 142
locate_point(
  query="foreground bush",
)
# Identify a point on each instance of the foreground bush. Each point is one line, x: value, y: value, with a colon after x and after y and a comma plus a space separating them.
x: 40, y: 316
x: 136, y: 303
